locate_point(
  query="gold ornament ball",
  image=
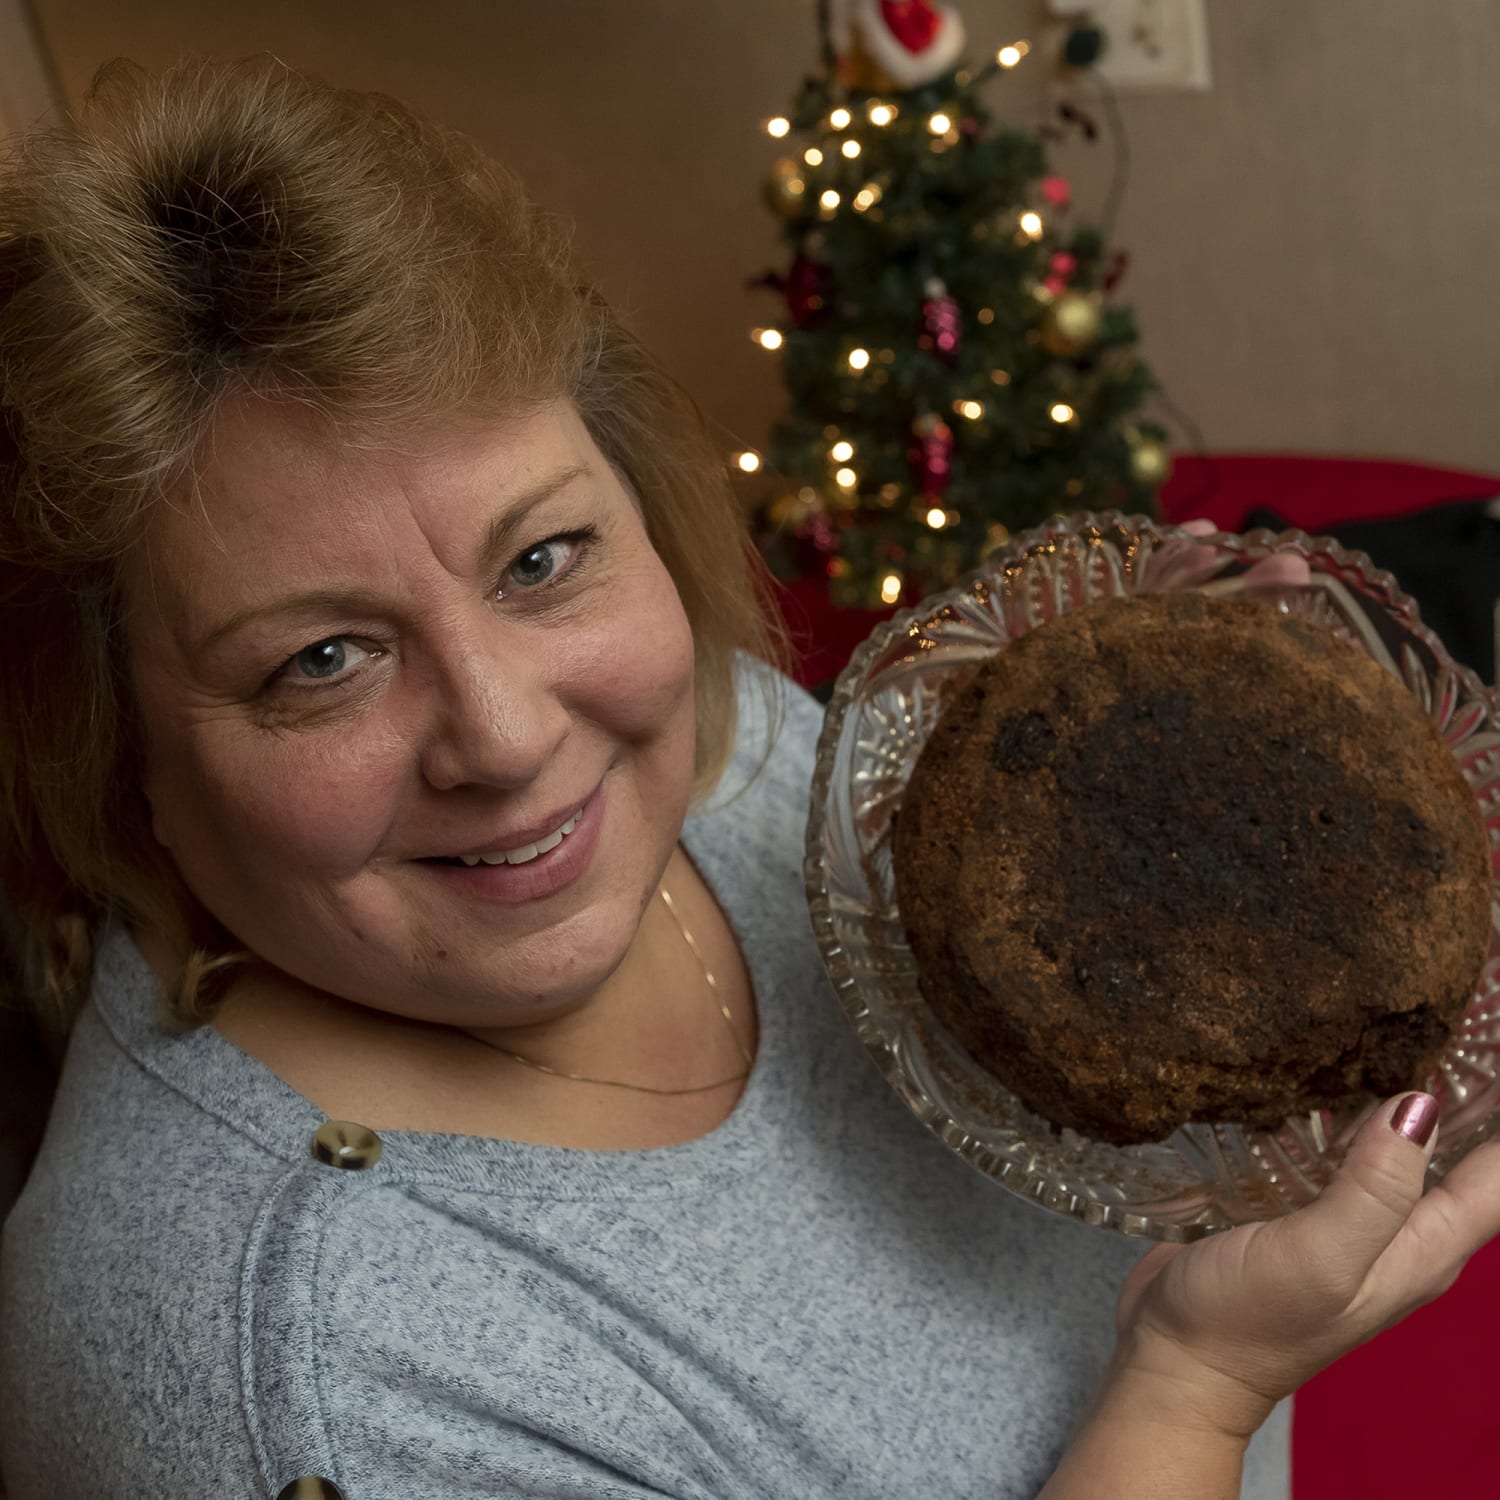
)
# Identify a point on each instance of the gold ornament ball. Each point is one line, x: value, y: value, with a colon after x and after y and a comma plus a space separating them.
x: 785, y: 511
x: 1071, y: 324
x: 786, y: 189
x: 794, y: 507
x: 1150, y: 463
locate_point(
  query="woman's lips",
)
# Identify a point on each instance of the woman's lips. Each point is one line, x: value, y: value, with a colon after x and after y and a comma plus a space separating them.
x: 545, y: 875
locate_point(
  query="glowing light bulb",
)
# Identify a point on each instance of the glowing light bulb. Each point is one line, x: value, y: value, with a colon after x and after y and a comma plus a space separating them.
x: 1031, y: 223
x: 881, y: 114
x: 940, y: 124
x: 749, y: 461
x: 829, y: 199
x: 841, y: 452
x: 850, y: 149
x: 767, y: 338
x: 778, y: 126
x: 840, y: 118
x: 937, y: 518
x: 1008, y: 57
x: 847, y: 478
x: 890, y: 588
x: 813, y: 157
x: 858, y: 358
x: 970, y: 409
x: 1061, y: 412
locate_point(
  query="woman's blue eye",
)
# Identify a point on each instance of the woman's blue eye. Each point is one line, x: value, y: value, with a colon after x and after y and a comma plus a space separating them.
x: 325, y: 659
x: 536, y: 565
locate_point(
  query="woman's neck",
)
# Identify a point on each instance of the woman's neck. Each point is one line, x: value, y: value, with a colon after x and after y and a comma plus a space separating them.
x: 655, y: 1021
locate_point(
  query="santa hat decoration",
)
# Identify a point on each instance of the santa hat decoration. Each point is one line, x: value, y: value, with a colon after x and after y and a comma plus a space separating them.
x: 895, y: 44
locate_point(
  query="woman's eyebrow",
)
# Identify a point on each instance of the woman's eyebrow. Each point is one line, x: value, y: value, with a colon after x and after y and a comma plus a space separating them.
x: 503, y: 534
x: 500, y: 537
x: 312, y: 601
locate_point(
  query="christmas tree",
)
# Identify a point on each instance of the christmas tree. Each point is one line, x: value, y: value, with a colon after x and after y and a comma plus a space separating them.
x: 953, y: 366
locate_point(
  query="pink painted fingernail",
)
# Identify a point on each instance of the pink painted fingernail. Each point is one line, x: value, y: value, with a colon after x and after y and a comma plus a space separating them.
x: 1416, y: 1117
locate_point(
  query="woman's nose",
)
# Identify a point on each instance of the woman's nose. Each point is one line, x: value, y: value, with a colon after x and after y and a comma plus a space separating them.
x: 496, y: 716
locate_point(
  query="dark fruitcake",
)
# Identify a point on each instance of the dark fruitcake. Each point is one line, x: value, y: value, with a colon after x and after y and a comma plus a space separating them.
x: 1174, y: 858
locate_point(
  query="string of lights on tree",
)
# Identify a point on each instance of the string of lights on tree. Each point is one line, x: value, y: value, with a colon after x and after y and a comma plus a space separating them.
x: 953, y: 364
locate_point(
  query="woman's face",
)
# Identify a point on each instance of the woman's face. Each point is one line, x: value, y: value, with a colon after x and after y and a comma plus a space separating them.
x: 360, y: 670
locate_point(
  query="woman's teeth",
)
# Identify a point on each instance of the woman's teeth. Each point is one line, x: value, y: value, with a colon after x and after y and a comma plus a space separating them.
x: 526, y: 851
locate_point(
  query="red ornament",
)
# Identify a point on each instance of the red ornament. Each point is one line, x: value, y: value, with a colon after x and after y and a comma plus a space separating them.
x: 930, y: 454
x: 1057, y: 191
x: 1063, y: 264
x: 1118, y: 265
x: 1055, y: 284
x: 808, y: 292
x: 942, y: 327
x: 968, y: 128
x: 914, y: 23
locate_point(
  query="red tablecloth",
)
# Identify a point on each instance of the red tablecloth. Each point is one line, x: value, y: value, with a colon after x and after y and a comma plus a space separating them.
x: 1411, y: 1415
x: 1312, y: 492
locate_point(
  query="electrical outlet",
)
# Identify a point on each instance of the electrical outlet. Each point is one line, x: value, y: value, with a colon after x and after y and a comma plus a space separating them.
x: 1153, y: 44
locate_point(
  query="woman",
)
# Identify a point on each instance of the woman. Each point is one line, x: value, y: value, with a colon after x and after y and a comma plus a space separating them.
x: 398, y: 815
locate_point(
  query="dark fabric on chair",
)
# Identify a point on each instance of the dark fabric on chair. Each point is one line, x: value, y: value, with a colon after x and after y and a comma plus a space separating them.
x: 28, y: 1073
x: 27, y: 1077
x: 1446, y: 557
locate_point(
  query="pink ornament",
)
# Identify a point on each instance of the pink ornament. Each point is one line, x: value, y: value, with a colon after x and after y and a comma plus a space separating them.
x: 1063, y: 264
x: 1055, y: 284
x: 942, y: 325
x: 808, y: 292
x: 1057, y: 191
x: 930, y: 454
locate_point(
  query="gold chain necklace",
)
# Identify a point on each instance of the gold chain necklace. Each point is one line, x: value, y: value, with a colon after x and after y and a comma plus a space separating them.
x: 646, y: 1088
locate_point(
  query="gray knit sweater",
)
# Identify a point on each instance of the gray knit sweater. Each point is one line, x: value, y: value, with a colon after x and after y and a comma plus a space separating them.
x: 815, y: 1300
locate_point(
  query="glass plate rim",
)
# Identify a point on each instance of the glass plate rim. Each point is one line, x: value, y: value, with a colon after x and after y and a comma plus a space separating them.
x: 1027, y: 1182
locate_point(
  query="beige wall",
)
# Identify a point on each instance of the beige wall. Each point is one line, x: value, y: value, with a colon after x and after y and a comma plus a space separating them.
x: 1316, y: 239
x: 1313, y: 241
x: 28, y: 89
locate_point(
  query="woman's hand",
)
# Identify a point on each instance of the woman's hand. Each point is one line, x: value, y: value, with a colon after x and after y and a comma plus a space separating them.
x: 1213, y: 1334
x: 1245, y: 1317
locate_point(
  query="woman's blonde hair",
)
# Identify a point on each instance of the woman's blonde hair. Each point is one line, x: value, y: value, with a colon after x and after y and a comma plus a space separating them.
x: 220, y: 229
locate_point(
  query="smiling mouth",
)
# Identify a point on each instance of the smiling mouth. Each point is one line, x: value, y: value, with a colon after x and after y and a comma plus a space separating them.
x: 520, y: 856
